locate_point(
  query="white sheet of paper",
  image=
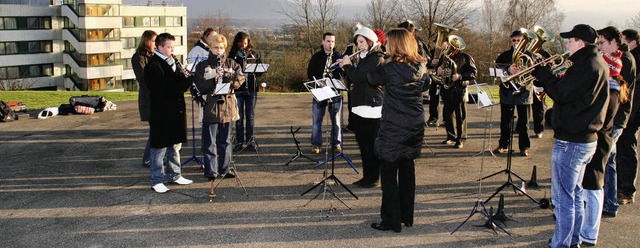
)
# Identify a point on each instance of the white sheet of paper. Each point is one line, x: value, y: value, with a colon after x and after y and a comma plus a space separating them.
x: 496, y: 72
x: 337, y: 84
x: 222, y: 89
x: 256, y: 68
x: 323, y: 93
x: 483, y: 97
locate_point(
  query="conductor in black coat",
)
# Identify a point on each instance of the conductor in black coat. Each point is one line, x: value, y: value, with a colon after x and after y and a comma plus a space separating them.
x: 401, y: 127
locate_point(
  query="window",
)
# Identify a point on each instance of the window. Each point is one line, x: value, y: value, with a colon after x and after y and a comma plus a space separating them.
x: 39, y: 23
x: 151, y: 21
x: 174, y: 21
x: 26, y: 71
x: 12, y: 47
x: 3, y: 72
x: 26, y: 47
x: 178, y: 41
x: 126, y: 64
x: 13, y: 72
x: 128, y: 22
x: 129, y: 42
x: 10, y: 23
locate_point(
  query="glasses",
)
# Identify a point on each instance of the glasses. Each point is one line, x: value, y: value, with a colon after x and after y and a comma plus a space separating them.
x: 515, y: 40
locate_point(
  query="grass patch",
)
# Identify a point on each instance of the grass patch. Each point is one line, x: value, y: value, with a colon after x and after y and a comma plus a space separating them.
x: 43, y: 99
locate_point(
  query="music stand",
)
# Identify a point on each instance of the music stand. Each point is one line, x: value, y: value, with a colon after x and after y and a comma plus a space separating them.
x: 194, y: 157
x: 298, y: 151
x: 483, y: 101
x: 232, y: 168
x: 338, y: 86
x: 508, y: 171
x: 253, y: 68
x: 322, y: 91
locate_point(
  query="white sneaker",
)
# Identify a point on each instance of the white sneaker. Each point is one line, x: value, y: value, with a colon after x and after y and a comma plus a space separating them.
x: 183, y: 181
x: 160, y: 188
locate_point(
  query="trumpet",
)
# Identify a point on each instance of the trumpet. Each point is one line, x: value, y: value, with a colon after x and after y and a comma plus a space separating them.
x: 350, y: 57
x: 525, y: 73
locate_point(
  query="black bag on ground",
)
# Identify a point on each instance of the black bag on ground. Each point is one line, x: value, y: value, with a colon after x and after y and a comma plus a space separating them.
x: 96, y: 102
x: 66, y: 109
x: 6, y: 113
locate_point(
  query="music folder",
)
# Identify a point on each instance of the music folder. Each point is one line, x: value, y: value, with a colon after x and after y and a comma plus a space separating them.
x: 222, y: 88
x: 321, y: 89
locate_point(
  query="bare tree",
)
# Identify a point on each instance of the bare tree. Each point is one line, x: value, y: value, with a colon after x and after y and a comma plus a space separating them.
x: 634, y: 22
x: 454, y: 13
x: 382, y: 14
x: 17, y: 84
x: 310, y: 20
x: 219, y: 21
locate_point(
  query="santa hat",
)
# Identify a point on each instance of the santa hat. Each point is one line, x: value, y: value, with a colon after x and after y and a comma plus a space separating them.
x: 614, y: 61
x: 366, y: 33
x: 381, y: 37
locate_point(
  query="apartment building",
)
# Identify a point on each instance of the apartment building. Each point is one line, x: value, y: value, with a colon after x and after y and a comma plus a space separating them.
x: 80, y: 44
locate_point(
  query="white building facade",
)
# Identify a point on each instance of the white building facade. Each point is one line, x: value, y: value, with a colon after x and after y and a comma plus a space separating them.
x: 81, y: 44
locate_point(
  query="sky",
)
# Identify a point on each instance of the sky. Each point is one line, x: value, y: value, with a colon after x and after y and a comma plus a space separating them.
x: 597, y: 13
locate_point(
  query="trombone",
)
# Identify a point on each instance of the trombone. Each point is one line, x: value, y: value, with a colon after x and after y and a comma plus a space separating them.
x: 525, y: 73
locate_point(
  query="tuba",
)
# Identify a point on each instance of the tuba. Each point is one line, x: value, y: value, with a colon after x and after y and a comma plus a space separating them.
x: 524, y: 54
x: 449, y: 66
x: 442, y: 32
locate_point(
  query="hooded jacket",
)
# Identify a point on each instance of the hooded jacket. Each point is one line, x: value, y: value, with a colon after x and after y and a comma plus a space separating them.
x: 580, y: 96
x: 402, y: 124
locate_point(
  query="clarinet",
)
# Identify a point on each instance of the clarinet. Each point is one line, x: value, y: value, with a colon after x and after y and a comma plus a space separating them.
x: 195, y: 92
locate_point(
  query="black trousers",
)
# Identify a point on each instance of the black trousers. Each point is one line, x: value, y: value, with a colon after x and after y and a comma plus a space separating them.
x: 522, y: 125
x: 398, y: 192
x: 434, y: 101
x: 627, y: 157
x: 537, y: 109
x: 366, y: 132
x: 453, y: 104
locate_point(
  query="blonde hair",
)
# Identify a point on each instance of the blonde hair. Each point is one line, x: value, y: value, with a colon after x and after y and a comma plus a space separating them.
x: 218, y: 38
x: 402, y: 47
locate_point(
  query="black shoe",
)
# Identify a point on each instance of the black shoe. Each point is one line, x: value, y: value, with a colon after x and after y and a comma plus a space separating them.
x: 587, y: 244
x: 237, y: 148
x: 608, y: 215
x: 211, y: 178
x: 368, y: 185
x: 432, y: 123
x: 524, y: 153
x: 408, y: 223
x: 382, y: 227
x: 459, y: 145
x: 359, y: 182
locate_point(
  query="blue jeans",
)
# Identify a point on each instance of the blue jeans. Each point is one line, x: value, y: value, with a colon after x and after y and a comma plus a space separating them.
x: 246, y: 106
x: 318, y: 109
x: 146, y: 156
x: 216, y: 147
x: 611, y: 176
x: 568, y: 161
x: 592, y: 215
x: 173, y: 163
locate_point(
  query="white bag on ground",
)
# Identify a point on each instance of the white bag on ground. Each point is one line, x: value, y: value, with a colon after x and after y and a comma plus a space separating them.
x: 48, y: 112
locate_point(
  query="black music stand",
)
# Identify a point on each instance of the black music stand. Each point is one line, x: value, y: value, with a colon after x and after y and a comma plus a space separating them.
x: 194, y: 98
x: 337, y: 85
x: 508, y: 171
x: 323, y: 92
x: 483, y: 101
x: 253, y: 68
x: 298, y: 151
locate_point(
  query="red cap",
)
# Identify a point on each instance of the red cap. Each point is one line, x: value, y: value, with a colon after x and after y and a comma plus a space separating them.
x: 381, y: 37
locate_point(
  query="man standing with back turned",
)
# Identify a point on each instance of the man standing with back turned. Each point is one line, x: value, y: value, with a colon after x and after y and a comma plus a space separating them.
x: 580, y: 97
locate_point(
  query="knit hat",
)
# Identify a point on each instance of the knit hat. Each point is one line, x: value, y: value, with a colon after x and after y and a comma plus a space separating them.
x: 516, y: 33
x: 581, y: 31
x: 367, y: 33
x: 381, y: 36
x: 614, y: 61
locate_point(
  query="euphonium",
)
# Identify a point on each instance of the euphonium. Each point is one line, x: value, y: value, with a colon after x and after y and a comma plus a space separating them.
x: 450, y: 67
x: 524, y: 54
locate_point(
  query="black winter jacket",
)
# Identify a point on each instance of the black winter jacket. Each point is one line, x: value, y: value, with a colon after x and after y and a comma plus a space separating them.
x: 168, y: 122
x: 139, y: 61
x: 318, y: 62
x: 363, y: 93
x: 402, y: 124
x: 509, y: 95
x: 629, y: 73
x: 580, y: 96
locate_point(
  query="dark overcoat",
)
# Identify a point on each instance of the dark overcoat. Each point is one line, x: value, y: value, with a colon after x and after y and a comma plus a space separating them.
x: 168, y: 119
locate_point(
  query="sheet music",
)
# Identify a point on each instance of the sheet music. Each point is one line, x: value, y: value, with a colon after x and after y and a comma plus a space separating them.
x: 251, y: 68
x: 496, y: 72
x: 337, y: 84
x: 484, y: 99
x: 222, y: 89
x: 323, y: 93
